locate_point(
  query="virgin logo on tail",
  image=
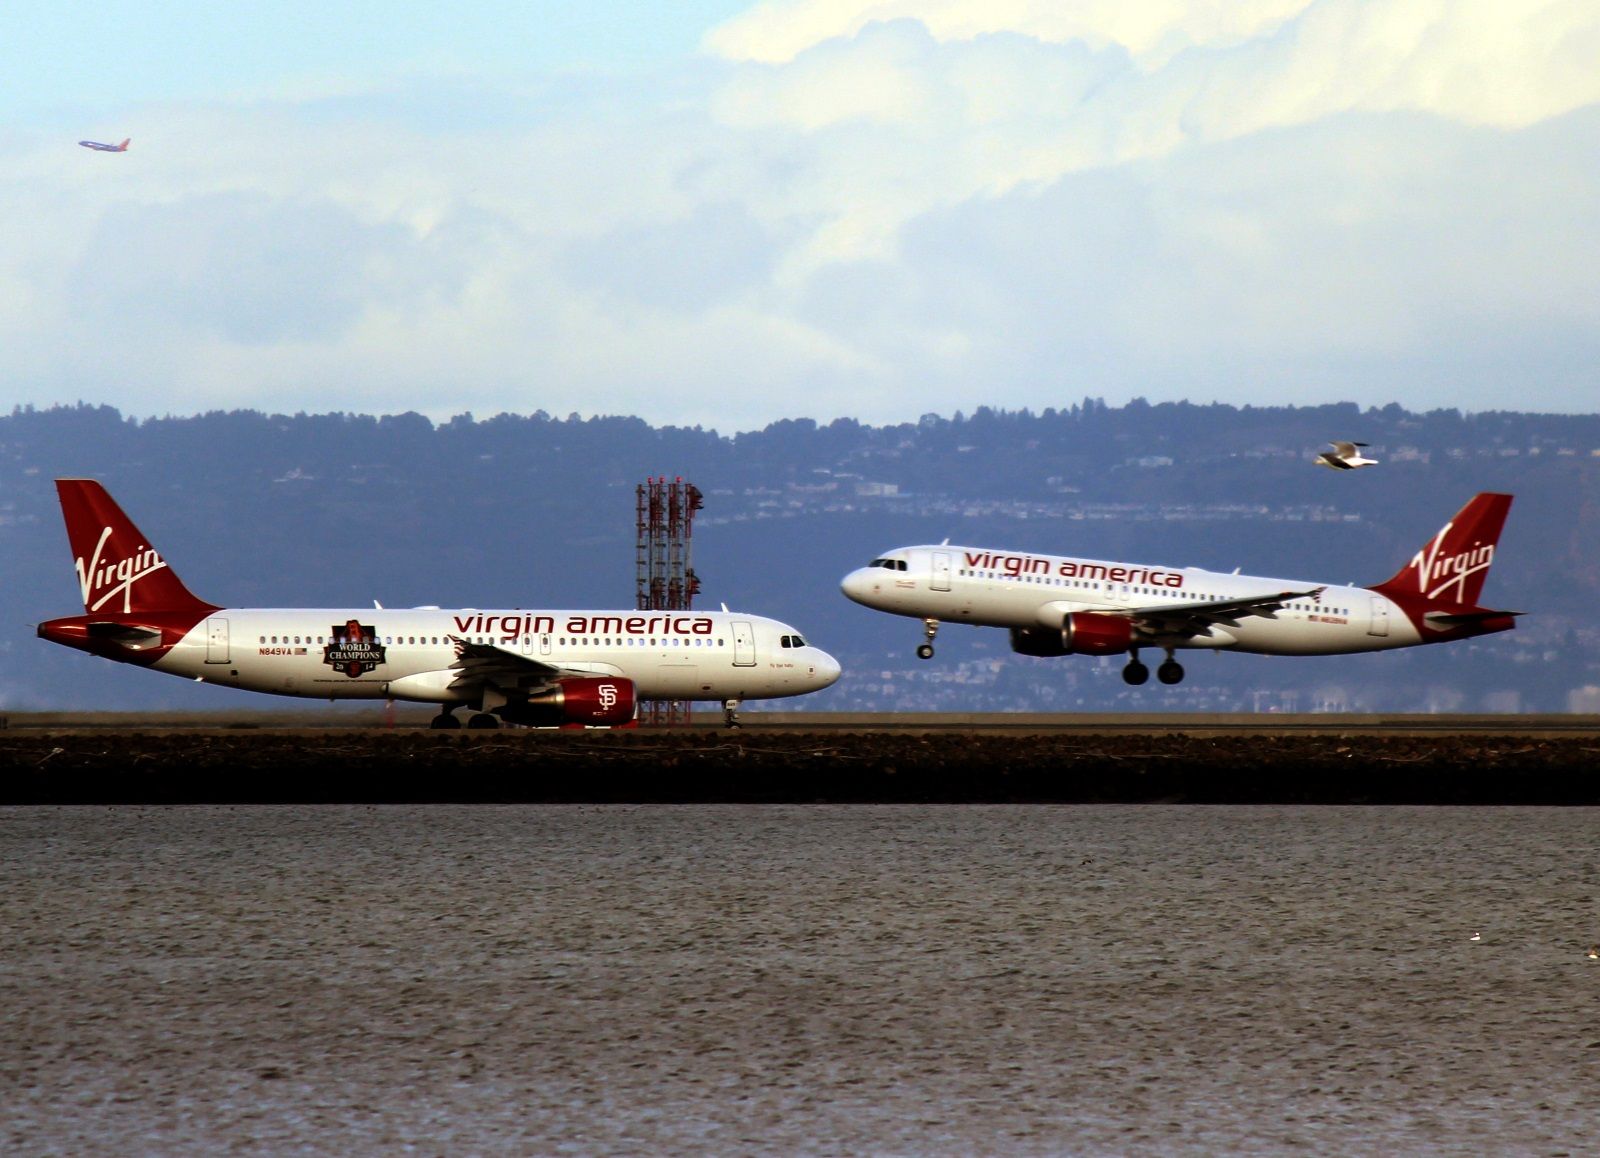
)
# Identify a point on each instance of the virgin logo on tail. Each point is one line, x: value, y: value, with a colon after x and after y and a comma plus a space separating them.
x: 1452, y: 566
x: 100, y: 581
x: 1454, y: 570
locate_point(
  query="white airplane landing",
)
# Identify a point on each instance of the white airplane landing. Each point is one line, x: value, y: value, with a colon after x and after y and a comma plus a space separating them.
x: 1057, y: 605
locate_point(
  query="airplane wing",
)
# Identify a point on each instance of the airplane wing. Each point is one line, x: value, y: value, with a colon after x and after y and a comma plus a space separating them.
x: 1195, y: 618
x: 487, y: 664
x: 484, y: 663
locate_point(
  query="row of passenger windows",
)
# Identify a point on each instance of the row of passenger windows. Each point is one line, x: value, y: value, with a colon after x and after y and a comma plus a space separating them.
x: 1168, y: 592
x: 527, y: 641
x: 1047, y: 580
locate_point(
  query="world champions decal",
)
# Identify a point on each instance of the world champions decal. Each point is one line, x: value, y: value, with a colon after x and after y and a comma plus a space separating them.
x: 354, y: 649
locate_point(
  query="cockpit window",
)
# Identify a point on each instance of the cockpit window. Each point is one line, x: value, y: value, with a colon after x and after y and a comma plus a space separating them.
x: 889, y: 564
x: 791, y: 641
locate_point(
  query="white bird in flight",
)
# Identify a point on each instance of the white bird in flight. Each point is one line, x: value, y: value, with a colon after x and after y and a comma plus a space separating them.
x: 1344, y: 456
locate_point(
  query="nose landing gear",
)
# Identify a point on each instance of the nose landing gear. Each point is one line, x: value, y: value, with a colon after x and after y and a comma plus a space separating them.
x: 730, y: 713
x: 930, y: 628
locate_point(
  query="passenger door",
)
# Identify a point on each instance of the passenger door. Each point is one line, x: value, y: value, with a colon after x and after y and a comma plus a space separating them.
x: 216, y: 640
x: 744, y: 645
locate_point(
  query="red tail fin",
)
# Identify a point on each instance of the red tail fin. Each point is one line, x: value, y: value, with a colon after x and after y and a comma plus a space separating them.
x: 123, y: 148
x: 118, y: 571
x: 1452, y: 567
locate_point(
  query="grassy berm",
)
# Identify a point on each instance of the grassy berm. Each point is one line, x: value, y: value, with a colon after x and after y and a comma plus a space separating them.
x: 375, y: 766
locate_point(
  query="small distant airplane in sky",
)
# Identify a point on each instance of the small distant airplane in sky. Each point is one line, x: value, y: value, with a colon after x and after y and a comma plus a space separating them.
x: 105, y: 148
x: 1344, y: 456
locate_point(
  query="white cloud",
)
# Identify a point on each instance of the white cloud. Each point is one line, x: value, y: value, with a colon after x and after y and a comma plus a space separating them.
x: 1479, y: 61
x: 776, y: 31
x: 874, y: 210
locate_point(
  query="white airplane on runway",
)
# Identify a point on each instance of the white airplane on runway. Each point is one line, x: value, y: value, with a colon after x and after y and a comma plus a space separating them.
x: 1059, y: 605
x: 525, y: 667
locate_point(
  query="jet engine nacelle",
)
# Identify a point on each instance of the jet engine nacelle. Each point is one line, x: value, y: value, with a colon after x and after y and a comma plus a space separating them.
x: 600, y: 701
x: 1041, y: 641
x: 1082, y: 633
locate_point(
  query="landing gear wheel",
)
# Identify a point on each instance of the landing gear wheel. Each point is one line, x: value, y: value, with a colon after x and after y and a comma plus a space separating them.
x: 730, y: 713
x: 1170, y: 672
x: 484, y: 720
x: 1135, y: 673
x: 444, y: 720
x: 930, y: 628
x: 925, y: 651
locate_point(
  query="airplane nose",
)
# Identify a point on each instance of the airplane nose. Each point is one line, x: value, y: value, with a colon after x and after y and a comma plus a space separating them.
x: 859, y: 584
x: 827, y: 669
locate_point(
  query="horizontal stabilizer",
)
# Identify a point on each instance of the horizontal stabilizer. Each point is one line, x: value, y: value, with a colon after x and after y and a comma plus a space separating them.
x: 1457, y: 618
x: 129, y: 635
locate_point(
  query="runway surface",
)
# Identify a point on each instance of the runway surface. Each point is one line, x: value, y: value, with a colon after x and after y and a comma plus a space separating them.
x: 1478, y: 760
x: 411, y: 718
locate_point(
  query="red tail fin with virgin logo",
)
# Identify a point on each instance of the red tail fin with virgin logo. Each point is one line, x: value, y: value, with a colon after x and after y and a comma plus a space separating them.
x: 119, y: 572
x: 1452, y: 567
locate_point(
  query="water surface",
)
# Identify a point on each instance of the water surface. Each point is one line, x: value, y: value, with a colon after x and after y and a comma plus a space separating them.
x: 799, y: 980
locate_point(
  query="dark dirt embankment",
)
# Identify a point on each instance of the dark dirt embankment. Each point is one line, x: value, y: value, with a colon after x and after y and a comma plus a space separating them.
x: 220, y: 766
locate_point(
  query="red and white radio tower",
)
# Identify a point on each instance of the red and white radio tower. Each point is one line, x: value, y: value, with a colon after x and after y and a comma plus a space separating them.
x: 665, y: 569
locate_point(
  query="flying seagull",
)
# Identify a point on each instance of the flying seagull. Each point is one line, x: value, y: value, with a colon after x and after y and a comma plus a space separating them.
x: 1344, y: 456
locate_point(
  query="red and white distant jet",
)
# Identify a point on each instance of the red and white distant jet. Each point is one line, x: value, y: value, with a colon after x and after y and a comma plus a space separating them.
x: 105, y: 148
x: 525, y: 667
x: 1058, y: 605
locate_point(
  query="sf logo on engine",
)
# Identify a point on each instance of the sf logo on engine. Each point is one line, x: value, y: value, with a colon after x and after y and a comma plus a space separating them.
x: 354, y: 649
x: 608, y: 696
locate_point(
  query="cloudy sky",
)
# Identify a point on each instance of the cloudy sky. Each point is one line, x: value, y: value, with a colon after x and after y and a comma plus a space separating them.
x: 727, y: 213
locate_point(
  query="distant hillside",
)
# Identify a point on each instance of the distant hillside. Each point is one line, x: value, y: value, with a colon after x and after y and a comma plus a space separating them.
x: 332, y: 509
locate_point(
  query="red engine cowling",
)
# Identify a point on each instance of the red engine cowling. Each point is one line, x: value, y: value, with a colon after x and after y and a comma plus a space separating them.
x: 600, y: 701
x: 1085, y: 633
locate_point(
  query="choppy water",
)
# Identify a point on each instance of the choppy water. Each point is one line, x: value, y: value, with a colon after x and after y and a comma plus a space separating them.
x: 799, y: 980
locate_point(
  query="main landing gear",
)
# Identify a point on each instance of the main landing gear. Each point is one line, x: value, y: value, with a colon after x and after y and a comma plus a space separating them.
x: 730, y: 713
x: 930, y: 628
x: 480, y: 720
x: 1136, y: 673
